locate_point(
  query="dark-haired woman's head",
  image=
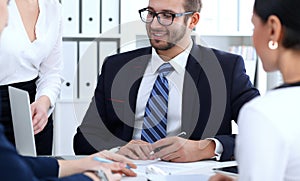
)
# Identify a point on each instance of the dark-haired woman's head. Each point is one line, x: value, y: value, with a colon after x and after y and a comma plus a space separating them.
x: 289, y: 15
x: 276, y: 26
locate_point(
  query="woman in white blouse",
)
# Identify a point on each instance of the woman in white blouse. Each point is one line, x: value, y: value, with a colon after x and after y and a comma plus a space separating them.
x: 269, y: 127
x: 31, y: 59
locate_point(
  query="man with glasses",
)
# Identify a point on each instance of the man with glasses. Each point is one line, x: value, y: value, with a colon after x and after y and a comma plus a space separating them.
x: 174, y: 100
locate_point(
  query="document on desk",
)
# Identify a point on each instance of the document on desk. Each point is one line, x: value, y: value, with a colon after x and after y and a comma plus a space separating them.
x: 171, y: 168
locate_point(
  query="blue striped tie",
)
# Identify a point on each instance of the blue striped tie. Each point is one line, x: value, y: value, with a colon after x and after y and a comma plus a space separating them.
x: 155, y: 118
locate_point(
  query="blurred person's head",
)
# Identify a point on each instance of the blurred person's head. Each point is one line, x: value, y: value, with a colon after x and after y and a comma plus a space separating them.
x: 276, y: 30
x: 3, y: 14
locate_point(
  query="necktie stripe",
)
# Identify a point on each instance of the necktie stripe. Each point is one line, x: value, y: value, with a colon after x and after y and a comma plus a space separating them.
x: 158, y: 103
x: 155, y: 118
x: 156, y: 93
x: 162, y: 83
x: 156, y: 131
x: 161, y: 126
x: 146, y: 137
x: 160, y: 88
x: 152, y: 134
x: 156, y: 113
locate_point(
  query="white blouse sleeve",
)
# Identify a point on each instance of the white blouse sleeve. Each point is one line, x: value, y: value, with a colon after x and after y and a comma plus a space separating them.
x: 260, y: 149
x: 50, y: 70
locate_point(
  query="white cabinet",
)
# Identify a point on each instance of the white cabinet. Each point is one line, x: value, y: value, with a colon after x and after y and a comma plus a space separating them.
x: 83, y: 57
x: 91, y: 32
x: 67, y: 116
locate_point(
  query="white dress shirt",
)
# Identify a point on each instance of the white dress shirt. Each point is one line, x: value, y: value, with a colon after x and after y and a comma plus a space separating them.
x: 22, y: 60
x: 268, y: 141
x: 175, y: 80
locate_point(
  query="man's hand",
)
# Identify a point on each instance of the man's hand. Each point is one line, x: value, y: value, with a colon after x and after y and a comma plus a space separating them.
x: 137, y: 150
x: 177, y: 149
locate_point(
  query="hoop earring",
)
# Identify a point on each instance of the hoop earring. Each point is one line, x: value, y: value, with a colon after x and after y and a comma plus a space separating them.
x: 273, y: 45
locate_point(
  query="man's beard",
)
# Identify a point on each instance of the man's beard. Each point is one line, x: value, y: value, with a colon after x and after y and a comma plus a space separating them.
x: 175, y: 38
x: 168, y: 46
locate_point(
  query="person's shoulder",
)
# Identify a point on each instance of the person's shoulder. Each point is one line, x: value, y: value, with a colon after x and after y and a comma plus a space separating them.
x: 134, y: 56
x: 221, y: 55
x: 224, y: 54
x: 269, y: 101
x: 216, y: 51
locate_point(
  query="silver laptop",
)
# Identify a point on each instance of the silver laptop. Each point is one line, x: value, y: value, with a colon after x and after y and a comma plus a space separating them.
x: 22, y: 121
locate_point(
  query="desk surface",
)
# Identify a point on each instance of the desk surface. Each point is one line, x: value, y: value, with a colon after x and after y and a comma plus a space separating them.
x: 201, y: 168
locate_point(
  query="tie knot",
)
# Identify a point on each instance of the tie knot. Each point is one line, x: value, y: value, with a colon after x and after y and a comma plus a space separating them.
x: 165, y: 69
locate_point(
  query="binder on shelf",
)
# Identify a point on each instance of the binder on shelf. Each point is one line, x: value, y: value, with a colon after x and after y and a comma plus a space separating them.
x: 110, y: 18
x: 70, y: 12
x: 90, y: 17
x: 106, y: 48
x: 69, y: 86
x: 87, y: 69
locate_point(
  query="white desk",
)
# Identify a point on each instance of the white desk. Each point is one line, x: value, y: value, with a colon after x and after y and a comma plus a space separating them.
x: 201, y: 168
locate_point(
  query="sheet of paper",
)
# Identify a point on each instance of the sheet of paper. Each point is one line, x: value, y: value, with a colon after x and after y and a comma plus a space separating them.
x: 178, y: 177
x: 170, y: 167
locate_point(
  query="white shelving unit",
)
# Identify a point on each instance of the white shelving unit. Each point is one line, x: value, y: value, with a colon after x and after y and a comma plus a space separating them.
x: 91, y: 32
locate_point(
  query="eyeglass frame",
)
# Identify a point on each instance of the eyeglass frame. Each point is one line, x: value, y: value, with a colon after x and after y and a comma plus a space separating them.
x: 156, y: 14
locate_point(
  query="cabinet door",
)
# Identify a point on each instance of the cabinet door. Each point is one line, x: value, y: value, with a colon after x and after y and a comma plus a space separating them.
x: 90, y: 17
x: 106, y: 48
x: 70, y: 11
x: 68, y: 116
x: 87, y: 69
x: 110, y: 16
x: 69, y: 86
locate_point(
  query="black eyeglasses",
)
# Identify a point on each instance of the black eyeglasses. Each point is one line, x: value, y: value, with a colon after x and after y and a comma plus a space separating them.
x: 164, y: 18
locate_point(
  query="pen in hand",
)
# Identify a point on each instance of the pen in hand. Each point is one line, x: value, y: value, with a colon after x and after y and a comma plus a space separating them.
x: 183, y: 133
x: 103, y: 160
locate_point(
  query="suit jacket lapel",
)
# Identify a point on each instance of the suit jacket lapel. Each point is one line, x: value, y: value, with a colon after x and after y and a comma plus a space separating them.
x: 138, y: 66
x: 190, y: 99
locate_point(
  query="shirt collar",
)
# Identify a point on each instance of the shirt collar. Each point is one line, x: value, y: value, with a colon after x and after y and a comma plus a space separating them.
x: 178, y: 62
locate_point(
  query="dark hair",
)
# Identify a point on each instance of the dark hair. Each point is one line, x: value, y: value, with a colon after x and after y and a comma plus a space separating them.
x: 289, y: 15
x: 192, y: 5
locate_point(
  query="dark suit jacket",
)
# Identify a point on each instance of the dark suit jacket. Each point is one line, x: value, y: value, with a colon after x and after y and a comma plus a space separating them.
x: 215, y: 88
x: 14, y: 167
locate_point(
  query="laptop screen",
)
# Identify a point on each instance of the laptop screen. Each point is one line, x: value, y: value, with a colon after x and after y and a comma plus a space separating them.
x: 22, y: 121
